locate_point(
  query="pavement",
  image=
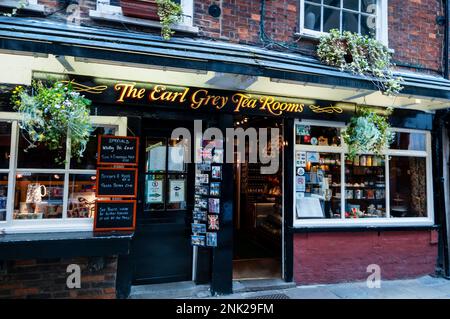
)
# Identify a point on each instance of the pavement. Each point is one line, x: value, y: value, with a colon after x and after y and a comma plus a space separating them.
x: 426, y: 287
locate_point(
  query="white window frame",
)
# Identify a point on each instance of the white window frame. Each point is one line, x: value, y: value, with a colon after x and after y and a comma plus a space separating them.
x: 104, y: 6
x: 381, y: 28
x: 11, y: 225
x: 358, y: 222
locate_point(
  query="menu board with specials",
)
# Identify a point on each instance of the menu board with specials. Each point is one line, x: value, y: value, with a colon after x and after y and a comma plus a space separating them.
x: 116, y: 182
x: 117, y: 150
x: 115, y: 215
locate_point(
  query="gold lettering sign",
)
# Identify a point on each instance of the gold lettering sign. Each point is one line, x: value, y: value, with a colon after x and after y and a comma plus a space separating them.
x: 202, y: 99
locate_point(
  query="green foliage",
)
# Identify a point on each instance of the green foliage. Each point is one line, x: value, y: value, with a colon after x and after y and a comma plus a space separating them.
x: 20, y: 5
x: 360, y: 55
x: 367, y: 132
x: 169, y: 13
x: 50, y: 115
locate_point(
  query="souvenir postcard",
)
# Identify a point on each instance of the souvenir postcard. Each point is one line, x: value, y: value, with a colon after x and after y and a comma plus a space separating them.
x: 211, y: 239
x: 213, y: 222
x: 198, y: 240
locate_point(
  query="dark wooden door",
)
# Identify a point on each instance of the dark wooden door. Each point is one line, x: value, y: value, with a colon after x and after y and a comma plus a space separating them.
x: 161, y: 249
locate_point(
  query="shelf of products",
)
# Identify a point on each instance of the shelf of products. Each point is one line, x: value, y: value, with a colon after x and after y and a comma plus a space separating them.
x: 365, y: 188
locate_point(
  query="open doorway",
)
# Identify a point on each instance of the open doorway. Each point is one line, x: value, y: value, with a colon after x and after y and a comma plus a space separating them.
x: 257, y: 250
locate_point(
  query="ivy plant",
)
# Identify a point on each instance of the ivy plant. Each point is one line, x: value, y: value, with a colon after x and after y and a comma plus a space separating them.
x: 360, y: 55
x: 169, y: 13
x: 367, y: 132
x: 51, y: 114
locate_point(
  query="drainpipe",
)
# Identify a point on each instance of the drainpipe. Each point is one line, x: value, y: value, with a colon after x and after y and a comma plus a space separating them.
x: 446, y: 37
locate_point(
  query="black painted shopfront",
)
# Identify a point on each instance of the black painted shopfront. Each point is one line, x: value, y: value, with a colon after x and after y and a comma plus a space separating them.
x: 161, y: 249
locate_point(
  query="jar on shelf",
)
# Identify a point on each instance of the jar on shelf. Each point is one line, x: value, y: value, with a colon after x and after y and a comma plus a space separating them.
x: 356, y: 161
x: 369, y: 160
x: 363, y: 160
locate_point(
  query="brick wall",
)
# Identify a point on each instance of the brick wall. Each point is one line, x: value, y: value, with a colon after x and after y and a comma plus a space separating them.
x: 341, y: 257
x: 47, y: 278
x: 413, y: 32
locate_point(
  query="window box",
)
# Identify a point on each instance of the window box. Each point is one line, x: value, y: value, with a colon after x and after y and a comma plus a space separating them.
x: 145, y: 9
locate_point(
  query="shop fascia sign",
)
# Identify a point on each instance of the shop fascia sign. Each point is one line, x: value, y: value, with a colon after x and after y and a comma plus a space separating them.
x: 119, y: 92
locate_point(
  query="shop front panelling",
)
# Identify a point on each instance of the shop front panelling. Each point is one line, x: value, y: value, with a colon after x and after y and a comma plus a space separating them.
x: 333, y: 257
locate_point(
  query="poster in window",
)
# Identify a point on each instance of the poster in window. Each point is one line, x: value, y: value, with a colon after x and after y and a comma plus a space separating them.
x: 198, y: 240
x: 303, y: 130
x: 201, y: 179
x: 218, y: 156
x: 157, y: 159
x: 211, y: 239
x: 199, y: 215
x: 177, y: 190
x: 155, y: 191
x: 300, y: 159
x: 176, y: 159
x: 312, y: 157
x: 216, y: 172
x: 213, y: 222
x: 198, y: 228
x: 300, y: 183
x: 201, y: 202
x: 214, y: 189
x: 214, y: 205
x: 308, y: 207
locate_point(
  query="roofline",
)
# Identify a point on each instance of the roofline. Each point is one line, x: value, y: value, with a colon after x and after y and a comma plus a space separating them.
x: 48, y: 37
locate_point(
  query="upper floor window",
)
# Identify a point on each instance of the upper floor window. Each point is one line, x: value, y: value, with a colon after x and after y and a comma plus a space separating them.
x: 366, y: 17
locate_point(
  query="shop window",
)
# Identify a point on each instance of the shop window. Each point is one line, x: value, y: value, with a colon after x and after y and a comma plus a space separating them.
x: 89, y: 159
x: 36, y: 190
x: 3, y: 195
x: 166, y: 174
x: 366, y: 17
x: 365, y: 187
x: 408, y: 186
x: 38, y: 196
x: 318, y: 185
x: 330, y: 189
x: 81, y: 203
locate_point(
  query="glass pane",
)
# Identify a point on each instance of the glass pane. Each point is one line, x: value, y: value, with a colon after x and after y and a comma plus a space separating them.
x: 89, y: 159
x: 81, y: 202
x: 40, y: 156
x: 409, y: 141
x: 313, y: 1
x: 176, y: 192
x: 369, y: 6
x: 5, y: 144
x: 408, y: 184
x: 331, y: 19
x: 351, y: 4
x: 114, y: 2
x: 317, y: 135
x: 312, y: 17
x: 365, y: 187
x: 154, y: 192
x: 155, y: 150
x: 3, y: 195
x: 176, y: 160
x: 38, y: 196
x: 368, y: 25
x: 317, y: 186
x: 350, y: 22
x: 334, y: 3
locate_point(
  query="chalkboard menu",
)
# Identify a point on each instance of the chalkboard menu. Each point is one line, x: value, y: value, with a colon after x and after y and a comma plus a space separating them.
x: 115, y: 215
x: 116, y: 182
x: 121, y: 150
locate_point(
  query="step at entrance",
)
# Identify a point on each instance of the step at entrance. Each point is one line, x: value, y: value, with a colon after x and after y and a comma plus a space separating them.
x: 184, y: 289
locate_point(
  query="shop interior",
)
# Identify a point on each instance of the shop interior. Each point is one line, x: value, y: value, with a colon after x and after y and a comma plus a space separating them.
x: 258, y: 214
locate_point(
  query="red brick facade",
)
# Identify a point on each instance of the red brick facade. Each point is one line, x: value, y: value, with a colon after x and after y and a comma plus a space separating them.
x: 414, y: 34
x: 340, y: 257
x: 47, y: 278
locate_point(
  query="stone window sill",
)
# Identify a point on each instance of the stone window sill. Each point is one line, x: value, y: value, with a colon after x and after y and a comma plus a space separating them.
x: 98, y: 15
x: 30, y: 7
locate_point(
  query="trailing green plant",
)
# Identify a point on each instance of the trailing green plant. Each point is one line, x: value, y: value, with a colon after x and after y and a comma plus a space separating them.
x: 169, y: 13
x: 51, y: 114
x: 367, y: 132
x: 20, y: 5
x: 360, y: 55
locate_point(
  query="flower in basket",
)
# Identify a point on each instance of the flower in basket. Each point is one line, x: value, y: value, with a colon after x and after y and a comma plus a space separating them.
x: 52, y: 114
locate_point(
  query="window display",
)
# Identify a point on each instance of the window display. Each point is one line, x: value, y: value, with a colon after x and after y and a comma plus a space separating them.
x: 81, y: 202
x: 3, y: 195
x: 330, y: 186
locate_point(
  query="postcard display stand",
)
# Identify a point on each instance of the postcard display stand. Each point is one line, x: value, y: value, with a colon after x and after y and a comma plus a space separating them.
x: 116, y: 189
x: 208, y: 185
